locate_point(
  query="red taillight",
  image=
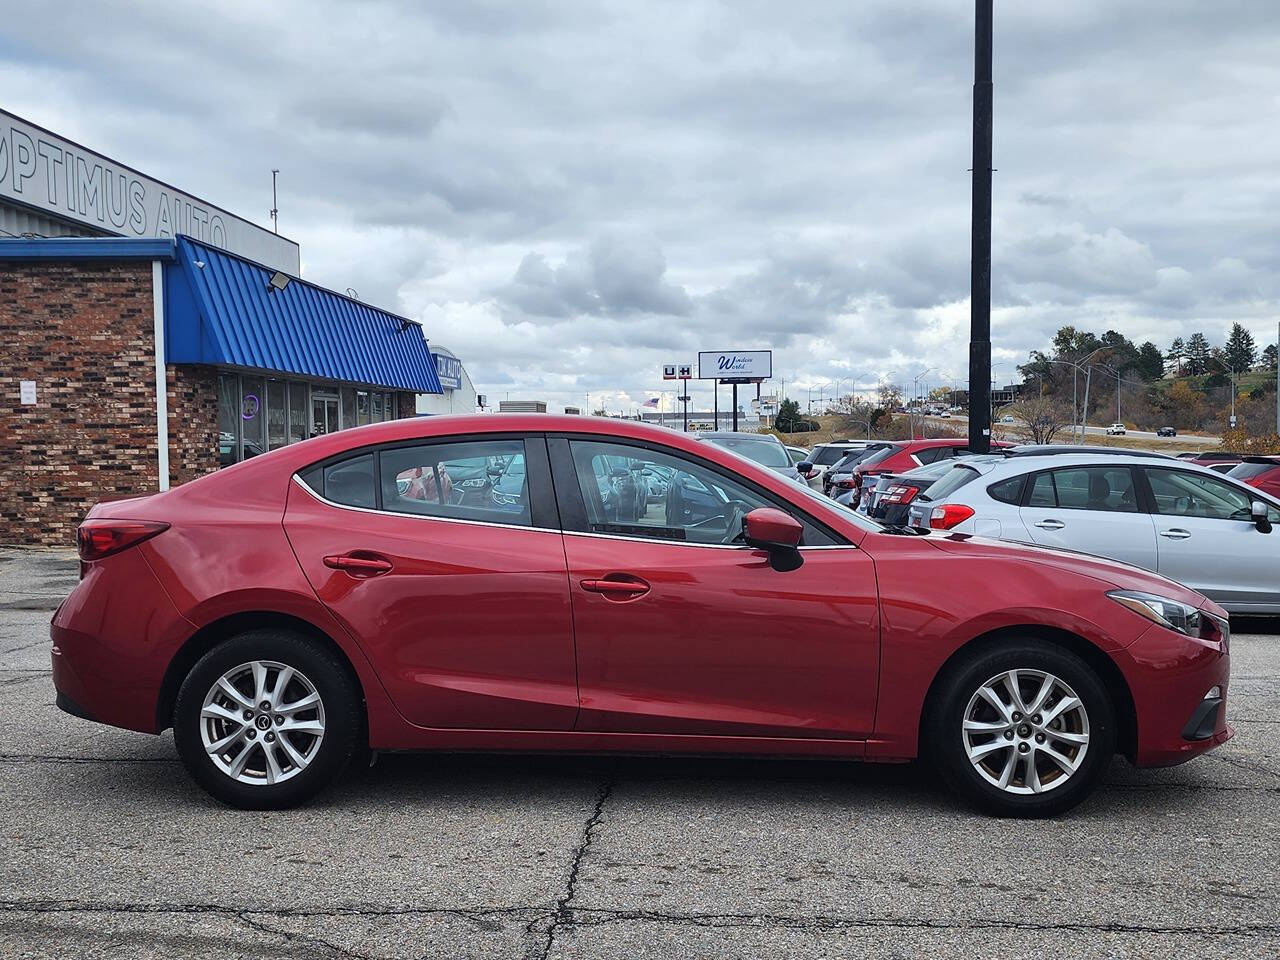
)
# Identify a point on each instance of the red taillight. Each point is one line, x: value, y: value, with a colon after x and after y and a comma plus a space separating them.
x: 96, y: 539
x: 900, y: 493
x: 948, y: 515
x: 846, y: 483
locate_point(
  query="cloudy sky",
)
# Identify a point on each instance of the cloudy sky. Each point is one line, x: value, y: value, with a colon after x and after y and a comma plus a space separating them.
x: 570, y: 194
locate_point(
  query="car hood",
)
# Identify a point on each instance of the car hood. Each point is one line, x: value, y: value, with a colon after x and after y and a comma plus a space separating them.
x: 1121, y: 575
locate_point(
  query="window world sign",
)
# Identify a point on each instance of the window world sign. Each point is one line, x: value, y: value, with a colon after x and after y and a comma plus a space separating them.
x: 740, y: 365
x: 54, y: 176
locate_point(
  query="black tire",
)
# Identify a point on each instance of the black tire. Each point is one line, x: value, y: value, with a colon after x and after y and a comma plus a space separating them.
x: 343, y: 718
x: 944, y: 742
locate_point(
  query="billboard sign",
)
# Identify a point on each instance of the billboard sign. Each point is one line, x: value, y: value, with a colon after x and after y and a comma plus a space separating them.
x: 743, y: 366
x: 449, y: 370
x: 686, y: 372
x: 669, y: 371
x: 57, y: 177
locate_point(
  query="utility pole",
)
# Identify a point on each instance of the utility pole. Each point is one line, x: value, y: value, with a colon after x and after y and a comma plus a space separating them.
x: 980, y: 242
x: 275, y: 213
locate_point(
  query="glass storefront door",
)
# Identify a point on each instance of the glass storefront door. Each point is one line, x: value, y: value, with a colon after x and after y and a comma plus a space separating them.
x: 324, y: 413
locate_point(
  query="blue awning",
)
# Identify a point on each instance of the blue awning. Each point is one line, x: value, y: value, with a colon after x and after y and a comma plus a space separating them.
x: 219, y: 309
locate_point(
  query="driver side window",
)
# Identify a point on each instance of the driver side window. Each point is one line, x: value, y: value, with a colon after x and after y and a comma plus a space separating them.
x: 1179, y: 494
x: 634, y: 491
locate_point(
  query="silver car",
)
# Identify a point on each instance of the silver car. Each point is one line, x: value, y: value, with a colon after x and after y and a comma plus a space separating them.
x: 1190, y: 524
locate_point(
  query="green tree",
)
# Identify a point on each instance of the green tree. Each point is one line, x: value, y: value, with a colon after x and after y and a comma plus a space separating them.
x: 1241, y: 351
x: 788, y: 415
x: 1198, y: 353
x: 1269, y: 358
x: 1177, y: 355
x: 1150, y: 363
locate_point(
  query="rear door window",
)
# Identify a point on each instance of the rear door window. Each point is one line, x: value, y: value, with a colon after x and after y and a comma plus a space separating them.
x: 1086, y: 488
x: 473, y: 480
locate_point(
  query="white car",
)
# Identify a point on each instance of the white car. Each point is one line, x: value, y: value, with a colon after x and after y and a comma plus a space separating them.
x: 826, y: 455
x: 1190, y: 524
x: 1115, y: 430
x: 1007, y: 419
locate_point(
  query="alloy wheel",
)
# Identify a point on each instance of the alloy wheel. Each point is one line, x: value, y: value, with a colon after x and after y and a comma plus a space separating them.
x: 1025, y: 731
x: 262, y: 722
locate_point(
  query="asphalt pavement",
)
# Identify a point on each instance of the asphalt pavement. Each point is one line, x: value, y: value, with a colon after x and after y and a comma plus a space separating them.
x: 110, y: 851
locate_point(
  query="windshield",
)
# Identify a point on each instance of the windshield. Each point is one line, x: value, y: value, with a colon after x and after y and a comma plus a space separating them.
x: 879, y: 456
x: 1243, y: 471
x: 826, y: 456
x: 763, y: 452
x: 949, y: 482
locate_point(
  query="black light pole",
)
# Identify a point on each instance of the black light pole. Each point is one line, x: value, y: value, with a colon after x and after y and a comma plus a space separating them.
x: 980, y: 255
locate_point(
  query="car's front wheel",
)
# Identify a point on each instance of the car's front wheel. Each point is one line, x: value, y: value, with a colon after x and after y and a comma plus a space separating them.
x: 267, y: 719
x: 1024, y: 729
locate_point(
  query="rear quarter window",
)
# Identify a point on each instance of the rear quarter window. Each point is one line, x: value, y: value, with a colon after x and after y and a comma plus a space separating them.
x: 1008, y: 491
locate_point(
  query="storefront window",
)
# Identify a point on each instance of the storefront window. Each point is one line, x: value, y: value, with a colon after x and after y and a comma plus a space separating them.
x: 252, y: 416
x: 348, y: 407
x: 297, y: 411
x: 277, y: 414
x: 256, y: 414
x: 228, y: 419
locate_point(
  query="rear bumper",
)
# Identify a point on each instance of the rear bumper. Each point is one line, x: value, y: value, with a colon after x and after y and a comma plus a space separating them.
x: 1180, y: 714
x: 113, y: 638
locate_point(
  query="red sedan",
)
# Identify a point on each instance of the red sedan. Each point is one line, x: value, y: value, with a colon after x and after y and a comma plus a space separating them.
x: 1260, y: 472
x: 294, y: 610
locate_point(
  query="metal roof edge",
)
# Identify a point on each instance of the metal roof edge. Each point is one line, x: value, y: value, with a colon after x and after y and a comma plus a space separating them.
x: 88, y: 248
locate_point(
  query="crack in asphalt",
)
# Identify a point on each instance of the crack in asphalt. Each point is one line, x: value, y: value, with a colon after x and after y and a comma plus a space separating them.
x: 51, y: 758
x: 562, y: 915
x: 565, y: 915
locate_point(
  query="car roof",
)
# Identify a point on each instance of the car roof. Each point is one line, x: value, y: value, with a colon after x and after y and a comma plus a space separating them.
x: 1046, y: 449
x: 736, y: 435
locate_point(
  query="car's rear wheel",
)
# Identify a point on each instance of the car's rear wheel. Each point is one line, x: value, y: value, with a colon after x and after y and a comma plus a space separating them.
x: 1024, y: 729
x: 267, y: 719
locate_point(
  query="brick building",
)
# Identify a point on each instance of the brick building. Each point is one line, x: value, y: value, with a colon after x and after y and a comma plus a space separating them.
x: 131, y: 364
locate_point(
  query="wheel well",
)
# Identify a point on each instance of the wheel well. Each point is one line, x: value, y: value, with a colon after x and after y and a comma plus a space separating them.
x: 1116, y: 685
x: 212, y: 634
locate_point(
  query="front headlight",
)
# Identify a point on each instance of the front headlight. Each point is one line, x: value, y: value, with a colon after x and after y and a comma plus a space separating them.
x: 1173, y: 614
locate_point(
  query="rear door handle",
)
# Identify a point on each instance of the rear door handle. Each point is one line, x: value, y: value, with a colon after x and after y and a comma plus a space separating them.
x: 358, y: 566
x: 621, y: 589
x: 1050, y: 524
x: 1175, y: 533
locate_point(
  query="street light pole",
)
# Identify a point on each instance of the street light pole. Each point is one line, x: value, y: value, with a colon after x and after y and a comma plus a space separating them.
x: 980, y: 239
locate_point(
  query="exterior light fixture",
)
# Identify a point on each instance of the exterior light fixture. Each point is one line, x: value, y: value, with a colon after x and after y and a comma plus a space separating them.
x: 278, y: 281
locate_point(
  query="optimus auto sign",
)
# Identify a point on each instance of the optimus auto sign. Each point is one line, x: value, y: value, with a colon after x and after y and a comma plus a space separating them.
x: 55, y: 176
x: 743, y: 366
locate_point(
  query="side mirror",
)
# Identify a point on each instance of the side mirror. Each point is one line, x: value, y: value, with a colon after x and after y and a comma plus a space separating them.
x: 767, y: 528
x: 804, y: 468
x: 1259, y: 511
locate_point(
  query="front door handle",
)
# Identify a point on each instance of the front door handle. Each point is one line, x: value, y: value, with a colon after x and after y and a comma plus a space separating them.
x: 358, y: 566
x: 1050, y: 524
x: 617, y: 589
x: 1175, y: 533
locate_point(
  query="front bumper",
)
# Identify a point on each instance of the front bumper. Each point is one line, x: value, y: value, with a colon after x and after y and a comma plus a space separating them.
x: 1179, y: 713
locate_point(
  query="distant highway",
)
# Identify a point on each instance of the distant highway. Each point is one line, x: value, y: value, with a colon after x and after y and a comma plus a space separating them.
x: 1191, y: 439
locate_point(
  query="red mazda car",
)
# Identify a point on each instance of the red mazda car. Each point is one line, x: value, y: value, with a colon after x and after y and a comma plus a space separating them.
x: 324, y: 599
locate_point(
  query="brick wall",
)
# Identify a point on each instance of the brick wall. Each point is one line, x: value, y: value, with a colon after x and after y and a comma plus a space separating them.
x: 193, y: 422
x: 82, y: 332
